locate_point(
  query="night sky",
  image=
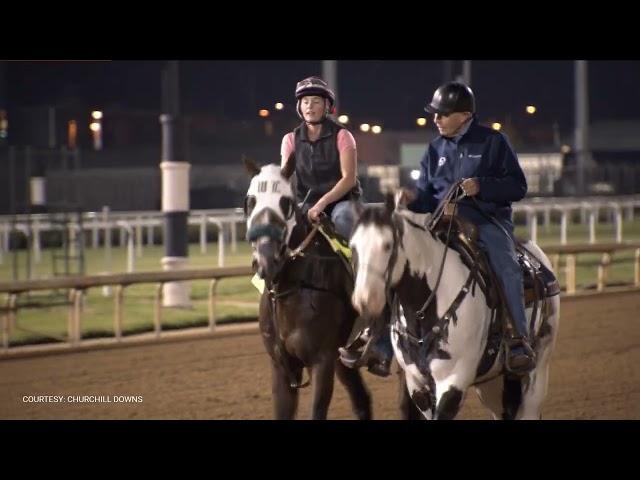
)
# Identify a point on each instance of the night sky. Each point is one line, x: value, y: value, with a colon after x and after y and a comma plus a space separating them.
x: 387, y: 91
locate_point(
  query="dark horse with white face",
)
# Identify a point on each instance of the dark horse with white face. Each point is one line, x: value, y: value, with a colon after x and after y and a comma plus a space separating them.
x: 305, y: 309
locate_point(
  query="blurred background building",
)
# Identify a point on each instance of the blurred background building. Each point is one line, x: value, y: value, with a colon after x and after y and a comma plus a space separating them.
x: 88, y: 133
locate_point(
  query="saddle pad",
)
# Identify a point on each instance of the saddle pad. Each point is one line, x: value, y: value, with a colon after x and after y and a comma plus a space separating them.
x: 336, y: 245
x: 258, y: 282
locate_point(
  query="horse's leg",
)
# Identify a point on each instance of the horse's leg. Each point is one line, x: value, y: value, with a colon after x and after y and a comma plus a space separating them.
x: 535, y: 390
x: 490, y: 394
x: 449, y: 381
x: 408, y: 409
x: 449, y: 398
x: 420, y: 390
x: 511, y: 396
x: 358, y: 393
x: 322, y: 381
x: 505, y: 398
x: 285, y: 398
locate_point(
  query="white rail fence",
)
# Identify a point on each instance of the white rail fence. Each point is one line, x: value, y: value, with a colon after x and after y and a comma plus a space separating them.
x: 77, y: 287
x: 132, y: 225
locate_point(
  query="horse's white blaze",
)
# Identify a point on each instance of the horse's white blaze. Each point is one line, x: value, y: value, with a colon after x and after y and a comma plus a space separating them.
x: 268, y: 187
x: 369, y: 291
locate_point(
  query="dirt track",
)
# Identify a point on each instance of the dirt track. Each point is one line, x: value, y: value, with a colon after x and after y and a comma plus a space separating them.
x: 595, y: 375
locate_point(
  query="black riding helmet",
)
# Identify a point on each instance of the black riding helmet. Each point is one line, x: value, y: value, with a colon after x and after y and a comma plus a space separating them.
x: 315, y: 86
x: 452, y: 97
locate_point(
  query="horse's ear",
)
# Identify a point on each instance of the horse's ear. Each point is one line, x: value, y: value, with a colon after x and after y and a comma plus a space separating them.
x: 289, y: 166
x: 251, y: 166
x: 389, y: 202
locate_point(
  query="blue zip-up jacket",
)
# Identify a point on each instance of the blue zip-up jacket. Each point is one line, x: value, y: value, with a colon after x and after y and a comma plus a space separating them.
x: 479, y: 152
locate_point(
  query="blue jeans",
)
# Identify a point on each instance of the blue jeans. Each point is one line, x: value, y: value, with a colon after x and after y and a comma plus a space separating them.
x: 343, y: 218
x: 341, y: 214
x: 502, y: 256
x: 383, y: 343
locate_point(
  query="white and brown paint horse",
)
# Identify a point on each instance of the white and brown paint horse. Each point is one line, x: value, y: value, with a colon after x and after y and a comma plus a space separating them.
x: 443, y: 352
x: 305, y: 311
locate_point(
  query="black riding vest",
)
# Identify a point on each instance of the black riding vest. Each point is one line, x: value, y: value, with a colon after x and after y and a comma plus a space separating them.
x: 318, y: 163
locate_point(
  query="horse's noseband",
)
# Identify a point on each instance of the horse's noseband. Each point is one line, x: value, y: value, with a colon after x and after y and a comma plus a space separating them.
x: 266, y: 230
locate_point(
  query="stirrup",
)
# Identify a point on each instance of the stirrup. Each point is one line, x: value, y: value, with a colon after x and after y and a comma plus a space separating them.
x: 353, y: 356
x: 356, y: 357
x: 349, y: 358
x: 361, y: 338
x: 524, y: 362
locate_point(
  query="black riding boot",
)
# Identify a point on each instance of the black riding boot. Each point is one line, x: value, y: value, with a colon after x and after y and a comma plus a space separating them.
x: 520, y: 357
x: 368, y: 350
x: 371, y: 347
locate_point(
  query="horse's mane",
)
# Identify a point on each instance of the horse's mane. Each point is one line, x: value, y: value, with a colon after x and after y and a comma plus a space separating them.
x: 413, y: 217
x: 380, y: 216
x: 374, y: 215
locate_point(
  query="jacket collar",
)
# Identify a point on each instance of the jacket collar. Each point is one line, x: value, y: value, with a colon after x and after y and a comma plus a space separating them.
x: 325, y: 132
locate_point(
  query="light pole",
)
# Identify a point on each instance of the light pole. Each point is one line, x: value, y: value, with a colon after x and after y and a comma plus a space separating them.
x: 556, y: 134
x: 466, y: 72
x: 330, y: 75
x: 581, y: 122
x: 464, y: 76
x: 268, y: 124
x: 96, y: 129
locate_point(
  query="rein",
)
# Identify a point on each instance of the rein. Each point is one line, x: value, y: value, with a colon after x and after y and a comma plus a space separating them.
x: 453, y: 198
x: 299, y: 251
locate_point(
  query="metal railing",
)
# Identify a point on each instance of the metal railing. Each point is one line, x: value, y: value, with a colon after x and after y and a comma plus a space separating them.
x: 606, y: 249
x: 589, y: 210
x: 78, y: 285
x: 131, y: 226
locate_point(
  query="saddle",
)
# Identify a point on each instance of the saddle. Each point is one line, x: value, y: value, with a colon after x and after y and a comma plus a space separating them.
x: 337, y: 242
x: 538, y: 281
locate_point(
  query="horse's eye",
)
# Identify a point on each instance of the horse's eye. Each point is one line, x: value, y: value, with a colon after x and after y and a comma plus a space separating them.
x: 286, y: 205
x: 387, y: 246
x: 249, y: 204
